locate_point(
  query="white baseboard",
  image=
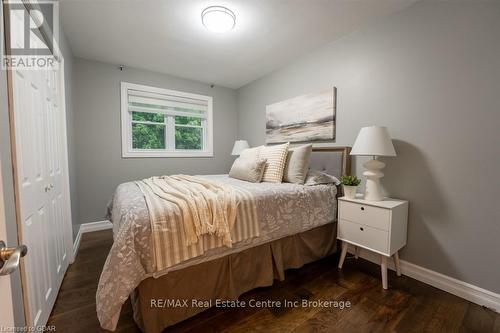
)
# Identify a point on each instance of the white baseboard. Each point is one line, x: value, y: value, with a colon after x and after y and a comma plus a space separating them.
x: 89, y: 227
x: 76, y: 243
x: 95, y: 226
x: 456, y: 287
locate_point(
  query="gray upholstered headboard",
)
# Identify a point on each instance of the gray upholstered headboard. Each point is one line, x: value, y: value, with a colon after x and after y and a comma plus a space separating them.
x: 335, y: 161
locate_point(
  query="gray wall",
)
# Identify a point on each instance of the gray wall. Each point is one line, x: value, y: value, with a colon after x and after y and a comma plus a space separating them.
x: 100, y: 167
x: 431, y: 73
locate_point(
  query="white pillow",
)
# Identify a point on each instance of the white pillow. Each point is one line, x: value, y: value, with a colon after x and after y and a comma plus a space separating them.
x: 275, y: 162
x: 248, y: 169
x: 297, y: 164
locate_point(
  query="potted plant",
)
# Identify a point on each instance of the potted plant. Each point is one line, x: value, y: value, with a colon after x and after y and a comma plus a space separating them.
x: 350, y: 183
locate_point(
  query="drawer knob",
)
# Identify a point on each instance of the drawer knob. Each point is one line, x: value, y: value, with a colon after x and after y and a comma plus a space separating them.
x: 362, y: 208
x: 361, y: 228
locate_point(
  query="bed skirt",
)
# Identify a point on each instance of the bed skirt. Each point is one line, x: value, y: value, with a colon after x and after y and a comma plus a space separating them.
x: 159, y: 303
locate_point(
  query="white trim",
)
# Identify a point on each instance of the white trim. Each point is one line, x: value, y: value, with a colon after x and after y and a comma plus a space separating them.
x: 162, y: 153
x: 76, y: 243
x: 66, y: 186
x: 456, y: 287
x: 126, y: 134
x: 89, y: 227
x: 95, y: 226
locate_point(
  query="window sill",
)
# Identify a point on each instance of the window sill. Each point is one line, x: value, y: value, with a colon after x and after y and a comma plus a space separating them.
x: 146, y: 154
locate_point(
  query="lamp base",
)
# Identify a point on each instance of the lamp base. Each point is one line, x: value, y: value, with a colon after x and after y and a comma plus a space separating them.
x: 373, y: 190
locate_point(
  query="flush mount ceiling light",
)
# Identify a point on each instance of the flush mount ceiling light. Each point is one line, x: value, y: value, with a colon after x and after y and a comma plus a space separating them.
x: 218, y: 19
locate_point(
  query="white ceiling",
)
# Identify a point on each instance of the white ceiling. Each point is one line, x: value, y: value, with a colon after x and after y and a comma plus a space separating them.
x: 167, y: 36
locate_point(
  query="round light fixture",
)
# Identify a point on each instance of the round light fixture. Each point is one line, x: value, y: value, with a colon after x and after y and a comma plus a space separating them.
x: 218, y: 19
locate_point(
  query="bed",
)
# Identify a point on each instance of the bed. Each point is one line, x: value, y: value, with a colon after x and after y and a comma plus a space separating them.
x: 296, y: 224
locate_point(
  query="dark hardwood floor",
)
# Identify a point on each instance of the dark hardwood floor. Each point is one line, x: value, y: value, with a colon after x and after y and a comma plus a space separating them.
x: 408, y: 305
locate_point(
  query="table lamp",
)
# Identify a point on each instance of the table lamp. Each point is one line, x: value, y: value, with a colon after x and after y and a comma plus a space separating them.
x: 373, y: 141
x: 239, y: 146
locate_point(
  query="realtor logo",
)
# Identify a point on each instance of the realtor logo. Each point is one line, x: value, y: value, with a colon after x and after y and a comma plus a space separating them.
x: 33, y: 31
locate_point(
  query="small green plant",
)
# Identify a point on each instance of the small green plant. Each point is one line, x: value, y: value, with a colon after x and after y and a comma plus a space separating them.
x: 350, y: 180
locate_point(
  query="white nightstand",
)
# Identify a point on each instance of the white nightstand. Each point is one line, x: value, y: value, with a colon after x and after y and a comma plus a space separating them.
x: 378, y: 226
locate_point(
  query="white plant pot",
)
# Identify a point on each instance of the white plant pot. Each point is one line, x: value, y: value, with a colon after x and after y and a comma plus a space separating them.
x: 350, y: 191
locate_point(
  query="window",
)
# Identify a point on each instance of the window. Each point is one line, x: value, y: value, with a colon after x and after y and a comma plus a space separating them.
x: 165, y: 123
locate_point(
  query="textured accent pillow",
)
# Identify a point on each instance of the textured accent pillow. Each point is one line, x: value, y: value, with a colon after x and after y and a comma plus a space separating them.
x: 248, y: 169
x: 275, y: 164
x: 315, y: 177
x: 297, y: 164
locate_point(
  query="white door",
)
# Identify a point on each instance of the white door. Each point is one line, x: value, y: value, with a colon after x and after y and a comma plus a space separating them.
x: 43, y: 203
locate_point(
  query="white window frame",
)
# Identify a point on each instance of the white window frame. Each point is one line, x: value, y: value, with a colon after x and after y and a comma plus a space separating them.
x: 169, y: 151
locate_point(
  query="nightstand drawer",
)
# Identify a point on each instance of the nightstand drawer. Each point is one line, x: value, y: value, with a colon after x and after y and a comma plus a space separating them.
x: 375, y: 217
x: 363, y: 235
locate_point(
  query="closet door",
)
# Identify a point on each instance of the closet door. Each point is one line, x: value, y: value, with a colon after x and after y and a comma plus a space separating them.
x: 42, y: 191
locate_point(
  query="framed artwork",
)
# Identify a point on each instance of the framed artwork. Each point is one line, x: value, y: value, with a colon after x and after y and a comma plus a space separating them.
x: 309, y: 117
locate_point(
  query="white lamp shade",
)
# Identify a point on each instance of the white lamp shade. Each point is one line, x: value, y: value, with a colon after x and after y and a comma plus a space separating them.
x: 373, y: 141
x: 239, y: 146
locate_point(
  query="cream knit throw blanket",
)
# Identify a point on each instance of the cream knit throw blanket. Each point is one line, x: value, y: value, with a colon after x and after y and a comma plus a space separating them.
x: 184, y: 210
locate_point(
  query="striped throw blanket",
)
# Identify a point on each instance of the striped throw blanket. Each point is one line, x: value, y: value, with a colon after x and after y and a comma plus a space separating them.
x: 191, y: 215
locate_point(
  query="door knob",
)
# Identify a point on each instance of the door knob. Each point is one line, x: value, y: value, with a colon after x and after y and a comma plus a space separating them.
x: 10, y: 256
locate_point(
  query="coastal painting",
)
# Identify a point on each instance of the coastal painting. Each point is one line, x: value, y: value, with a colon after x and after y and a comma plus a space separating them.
x: 309, y: 117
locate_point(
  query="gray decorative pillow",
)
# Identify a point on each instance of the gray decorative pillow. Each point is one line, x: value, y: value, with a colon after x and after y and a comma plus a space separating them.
x: 297, y: 164
x: 315, y: 177
x: 250, y: 170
